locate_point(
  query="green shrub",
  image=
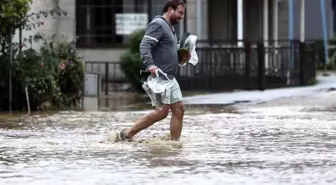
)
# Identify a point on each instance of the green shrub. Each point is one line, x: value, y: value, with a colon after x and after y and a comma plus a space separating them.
x: 54, y: 76
x: 69, y: 73
x: 131, y: 63
x: 4, y: 75
x: 32, y: 73
x: 317, y: 46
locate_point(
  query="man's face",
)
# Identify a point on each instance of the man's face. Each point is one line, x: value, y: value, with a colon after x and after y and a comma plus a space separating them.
x: 176, y: 15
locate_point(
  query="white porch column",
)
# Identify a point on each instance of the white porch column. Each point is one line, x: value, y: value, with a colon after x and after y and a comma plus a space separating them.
x: 266, y: 39
x: 276, y: 32
x: 302, y: 21
x: 199, y: 18
x: 276, y: 22
x: 181, y: 27
x: 240, y: 23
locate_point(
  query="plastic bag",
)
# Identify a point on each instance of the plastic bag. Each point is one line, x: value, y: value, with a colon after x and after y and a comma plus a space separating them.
x: 156, y: 103
x: 188, y: 42
x: 159, y: 83
x: 155, y: 87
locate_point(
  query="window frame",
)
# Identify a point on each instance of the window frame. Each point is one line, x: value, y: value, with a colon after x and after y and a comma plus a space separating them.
x: 114, y: 44
x: 96, y: 45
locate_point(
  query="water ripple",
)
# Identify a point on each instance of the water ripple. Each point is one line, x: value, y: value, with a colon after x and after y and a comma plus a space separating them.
x: 254, y: 146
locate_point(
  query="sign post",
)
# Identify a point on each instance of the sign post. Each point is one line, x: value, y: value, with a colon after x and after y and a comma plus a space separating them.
x: 10, y: 100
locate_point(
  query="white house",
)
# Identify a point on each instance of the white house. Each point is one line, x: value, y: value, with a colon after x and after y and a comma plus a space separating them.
x: 100, y: 37
x: 63, y: 25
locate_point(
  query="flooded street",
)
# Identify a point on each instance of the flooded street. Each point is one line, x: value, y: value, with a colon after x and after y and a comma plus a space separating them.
x: 253, y: 145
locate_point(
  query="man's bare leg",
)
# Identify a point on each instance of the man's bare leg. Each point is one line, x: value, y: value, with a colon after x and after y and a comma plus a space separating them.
x: 148, y: 120
x: 176, y: 121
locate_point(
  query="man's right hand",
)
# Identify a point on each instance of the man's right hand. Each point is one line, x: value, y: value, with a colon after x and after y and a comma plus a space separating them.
x: 152, y: 70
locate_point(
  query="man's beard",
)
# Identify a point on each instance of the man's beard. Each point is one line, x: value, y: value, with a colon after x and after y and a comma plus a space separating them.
x: 174, y: 21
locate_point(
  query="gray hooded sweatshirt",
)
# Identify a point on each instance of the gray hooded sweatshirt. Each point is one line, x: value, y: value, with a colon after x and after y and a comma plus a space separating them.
x: 159, y: 47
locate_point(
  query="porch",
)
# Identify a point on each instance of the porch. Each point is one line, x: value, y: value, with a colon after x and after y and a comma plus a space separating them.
x: 243, y: 44
x: 257, y: 20
x: 230, y: 68
x: 248, y: 45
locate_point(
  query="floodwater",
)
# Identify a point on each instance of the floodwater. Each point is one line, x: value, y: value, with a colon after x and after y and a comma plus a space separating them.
x: 255, y: 146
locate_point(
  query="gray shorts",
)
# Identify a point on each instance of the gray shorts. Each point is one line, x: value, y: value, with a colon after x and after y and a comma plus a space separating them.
x: 173, y: 93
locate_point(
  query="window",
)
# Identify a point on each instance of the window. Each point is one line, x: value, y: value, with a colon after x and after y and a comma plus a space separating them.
x: 100, y: 23
x: 97, y: 25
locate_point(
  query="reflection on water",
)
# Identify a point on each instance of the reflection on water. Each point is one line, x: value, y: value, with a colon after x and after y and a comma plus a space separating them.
x: 123, y: 101
x: 254, y: 146
x: 132, y: 101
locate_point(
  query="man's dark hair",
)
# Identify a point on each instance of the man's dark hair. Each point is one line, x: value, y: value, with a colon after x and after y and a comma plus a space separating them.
x: 172, y: 4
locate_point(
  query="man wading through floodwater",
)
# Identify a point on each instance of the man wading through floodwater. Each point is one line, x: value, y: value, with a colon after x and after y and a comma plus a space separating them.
x: 159, y: 50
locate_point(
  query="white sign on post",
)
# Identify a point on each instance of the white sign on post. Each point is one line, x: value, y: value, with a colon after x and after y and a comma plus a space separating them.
x: 126, y: 23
